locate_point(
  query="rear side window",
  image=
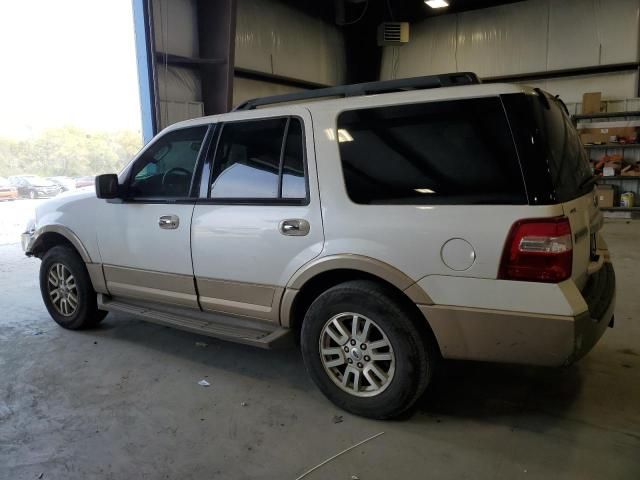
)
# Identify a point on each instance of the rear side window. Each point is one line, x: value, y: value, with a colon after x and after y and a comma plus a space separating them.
x: 437, y: 153
x: 260, y: 159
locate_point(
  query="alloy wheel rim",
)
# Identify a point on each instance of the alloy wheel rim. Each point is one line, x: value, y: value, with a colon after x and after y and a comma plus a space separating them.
x: 62, y: 288
x: 357, y: 355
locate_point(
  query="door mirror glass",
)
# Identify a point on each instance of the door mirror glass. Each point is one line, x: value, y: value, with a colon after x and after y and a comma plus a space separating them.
x: 107, y: 186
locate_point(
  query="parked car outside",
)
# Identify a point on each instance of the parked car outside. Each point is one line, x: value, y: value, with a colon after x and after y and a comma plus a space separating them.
x: 65, y: 183
x: 381, y: 231
x: 7, y: 191
x: 86, y: 181
x: 33, y: 186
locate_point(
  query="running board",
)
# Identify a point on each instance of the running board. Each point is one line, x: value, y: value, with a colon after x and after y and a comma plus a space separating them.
x: 239, y: 330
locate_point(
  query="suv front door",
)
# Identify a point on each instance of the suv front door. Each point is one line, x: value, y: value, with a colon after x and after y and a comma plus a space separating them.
x: 261, y: 219
x: 145, y: 240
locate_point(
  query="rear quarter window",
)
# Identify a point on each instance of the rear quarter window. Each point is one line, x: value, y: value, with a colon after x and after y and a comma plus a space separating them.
x: 453, y: 152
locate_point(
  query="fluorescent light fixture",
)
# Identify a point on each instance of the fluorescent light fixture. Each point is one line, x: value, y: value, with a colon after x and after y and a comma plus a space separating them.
x: 437, y: 3
x: 344, y: 136
x: 423, y: 190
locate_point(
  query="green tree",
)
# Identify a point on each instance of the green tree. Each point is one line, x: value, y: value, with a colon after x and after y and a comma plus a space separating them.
x: 69, y: 151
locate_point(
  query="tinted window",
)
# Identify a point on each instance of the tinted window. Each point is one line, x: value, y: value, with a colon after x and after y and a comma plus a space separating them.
x: 250, y: 156
x: 293, y: 183
x: 567, y: 159
x: 165, y: 169
x: 455, y: 152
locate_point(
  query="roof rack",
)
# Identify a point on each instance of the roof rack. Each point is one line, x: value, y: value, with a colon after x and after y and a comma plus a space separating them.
x: 369, y: 88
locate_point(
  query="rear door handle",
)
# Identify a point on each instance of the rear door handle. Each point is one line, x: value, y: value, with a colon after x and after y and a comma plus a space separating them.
x: 169, y: 222
x: 295, y: 227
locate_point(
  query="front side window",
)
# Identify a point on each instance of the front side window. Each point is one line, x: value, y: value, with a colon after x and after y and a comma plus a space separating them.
x: 260, y: 159
x: 453, y: 152
x: 166, y: 168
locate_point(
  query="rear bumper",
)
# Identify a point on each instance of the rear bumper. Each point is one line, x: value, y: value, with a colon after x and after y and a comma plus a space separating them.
x: 600, y: 295
x: 525, y: 338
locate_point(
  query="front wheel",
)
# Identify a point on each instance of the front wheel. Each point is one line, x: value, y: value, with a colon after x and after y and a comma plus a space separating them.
x: 67, y: 291
x: 363, y: 350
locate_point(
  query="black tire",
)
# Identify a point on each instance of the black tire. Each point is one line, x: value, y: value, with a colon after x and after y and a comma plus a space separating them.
x: 415, y: 353
x: 86, y: 313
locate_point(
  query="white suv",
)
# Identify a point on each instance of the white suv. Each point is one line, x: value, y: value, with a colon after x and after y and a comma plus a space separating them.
x: 407, y: 221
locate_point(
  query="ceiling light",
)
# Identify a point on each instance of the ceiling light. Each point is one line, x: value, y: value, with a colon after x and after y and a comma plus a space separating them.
x: 423, y: 190
x: 437, y: 3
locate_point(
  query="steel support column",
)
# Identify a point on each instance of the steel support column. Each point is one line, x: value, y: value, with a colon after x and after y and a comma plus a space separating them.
x: 143, y: 26
x: 217, y: 35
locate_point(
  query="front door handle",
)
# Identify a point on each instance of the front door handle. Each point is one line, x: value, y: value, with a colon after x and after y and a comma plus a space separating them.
x: 169, y: 222
x: 295, y: 227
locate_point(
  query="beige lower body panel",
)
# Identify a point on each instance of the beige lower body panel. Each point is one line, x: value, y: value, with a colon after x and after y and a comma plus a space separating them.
x: 97, y: 277
x: 239, y: 298
x: 501, y: 336
x: 173, y: 289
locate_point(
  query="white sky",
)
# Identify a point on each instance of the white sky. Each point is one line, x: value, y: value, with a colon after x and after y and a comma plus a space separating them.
x: 67, y: 62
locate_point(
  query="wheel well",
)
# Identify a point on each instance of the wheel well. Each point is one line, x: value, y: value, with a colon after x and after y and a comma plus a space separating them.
x: 325, y: 280
x: 49, y: 240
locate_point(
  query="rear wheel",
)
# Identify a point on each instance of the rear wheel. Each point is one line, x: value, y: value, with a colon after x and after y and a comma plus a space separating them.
x: 67, y: 291
x: 363, y: 350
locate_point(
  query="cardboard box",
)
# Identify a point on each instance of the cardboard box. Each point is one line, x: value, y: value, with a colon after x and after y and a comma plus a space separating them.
x: 587, y: 138
x: 592, y: 102
x: 606, y: 194
x: 611, y: 131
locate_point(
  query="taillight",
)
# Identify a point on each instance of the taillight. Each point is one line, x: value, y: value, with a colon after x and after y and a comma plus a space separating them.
x: 538, y: 250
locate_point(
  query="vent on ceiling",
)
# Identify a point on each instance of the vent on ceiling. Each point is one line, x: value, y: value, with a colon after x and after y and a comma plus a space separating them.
x: 393, y: 33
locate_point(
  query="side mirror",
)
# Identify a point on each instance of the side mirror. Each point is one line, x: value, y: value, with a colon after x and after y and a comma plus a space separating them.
x: 107, y: 186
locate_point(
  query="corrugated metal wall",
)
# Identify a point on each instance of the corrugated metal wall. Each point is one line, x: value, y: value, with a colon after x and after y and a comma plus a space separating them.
x: 175, y: 32
x: 275, y: 39
x: 270, y: 38
x: 528, y: 37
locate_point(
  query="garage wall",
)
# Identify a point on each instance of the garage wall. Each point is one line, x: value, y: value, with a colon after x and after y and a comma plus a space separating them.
x: 527, y: 37
x: 275, y: 39
x: 175, y: 32
x: 271, y: 38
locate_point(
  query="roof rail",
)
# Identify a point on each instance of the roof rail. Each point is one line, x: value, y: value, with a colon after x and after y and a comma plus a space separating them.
x: 369, y: 88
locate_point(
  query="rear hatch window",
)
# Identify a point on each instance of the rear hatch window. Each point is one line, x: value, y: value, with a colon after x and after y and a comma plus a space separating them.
x: 451, y: 152
x: 555, y: 165
x: 568, y: 161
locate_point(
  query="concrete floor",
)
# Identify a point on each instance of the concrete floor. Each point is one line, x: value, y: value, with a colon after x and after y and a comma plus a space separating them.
x: 123, y: 402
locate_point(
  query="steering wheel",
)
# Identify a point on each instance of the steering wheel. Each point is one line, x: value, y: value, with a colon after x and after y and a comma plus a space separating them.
x: 173, y: 171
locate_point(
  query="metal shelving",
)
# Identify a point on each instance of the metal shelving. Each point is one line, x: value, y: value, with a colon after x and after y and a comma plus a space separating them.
x: 611, y: 145
x: 608, y: 115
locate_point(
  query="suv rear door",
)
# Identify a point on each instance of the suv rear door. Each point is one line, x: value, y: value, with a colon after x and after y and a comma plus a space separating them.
x: 259, y: 219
